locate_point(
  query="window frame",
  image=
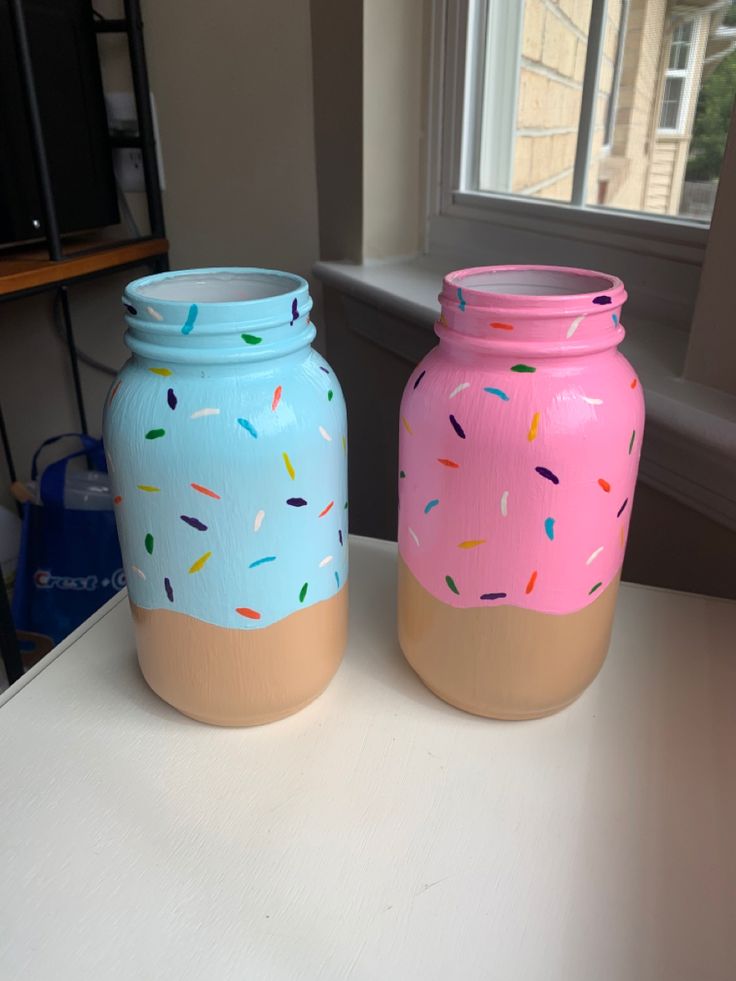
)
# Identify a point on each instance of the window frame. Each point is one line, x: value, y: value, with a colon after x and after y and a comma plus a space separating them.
x: 684, y: 74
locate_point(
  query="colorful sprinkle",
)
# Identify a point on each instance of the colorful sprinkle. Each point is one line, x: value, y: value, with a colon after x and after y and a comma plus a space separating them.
x: 148, y: 488
x: 204, y: 412
x: 191, y: 317
x: 498, y: 393
x: 604, y: 484
x: 493, y: 596
x: 602, y: 301
x: 337, y: 579
x: 294, y: 312
x: 497, y: 325
x: 530, y: 584
x: 614, y: 318
x: 592, y: 401
x: 574, y: 326
x: 251, y: 338
x: 549, y: 528
x: 414, y: 535
x: 339, y: 534
x: 131, y: 310
x: 266, y: 558
x: 154, y: 313
x: 443, y: 321
x: 344, y: 445
x: 324, y: 434
x: 276, y: 398
x: 245, y: 611
x: 249, y: 427
x: 325, y: 510
x: 594, y: 555
x: 472, y: 543
x: 289, y: 468
x: 533, y: 428
x: 149, y: 543
x: 171, y: 399
x: 402, y: 474
x: 457, y: 427
x: 169, y: 590
x: 164, y: 372
x: 451, y: 585
x: 138, y: 572
x: 296, y: 502
x: 155, y: 433
x: 460, y: 388
x: 430, y: 504
x: 200, y: 563
x: 193, y: 522
x: 416, y: 383
x: 206, y: 491
x: 325, y: 561
x: 622, y: 536
x: 523, y: 368
x: 326, y: 370
x: 114, y: 391
x: 631, y: 441
x: 259, y: 520
x: 303, y: 592
x: 407, y: 427
x: 461, y: 300
x: 597, y: 586
x: 505, y: 503
x: 634, y: 382
x: 330, y: 395
x: 448, y: 463
x: 622, y: 508
x: 547, y: 474
x: 117, y: 500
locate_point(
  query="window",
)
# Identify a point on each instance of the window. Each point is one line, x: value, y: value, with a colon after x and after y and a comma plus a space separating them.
x: 676, y: 77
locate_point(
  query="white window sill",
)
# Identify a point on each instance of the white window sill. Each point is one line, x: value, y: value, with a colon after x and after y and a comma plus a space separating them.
x: 689, y: 450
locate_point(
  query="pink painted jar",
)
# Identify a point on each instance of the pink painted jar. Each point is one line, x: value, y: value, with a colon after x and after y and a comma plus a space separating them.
x: 519, y: 447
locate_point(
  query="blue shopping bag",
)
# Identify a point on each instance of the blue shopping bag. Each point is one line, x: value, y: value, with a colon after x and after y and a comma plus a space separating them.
x: 69, y: 562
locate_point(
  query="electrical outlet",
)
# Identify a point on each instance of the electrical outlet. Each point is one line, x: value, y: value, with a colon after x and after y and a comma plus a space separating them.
x: 128, y: 163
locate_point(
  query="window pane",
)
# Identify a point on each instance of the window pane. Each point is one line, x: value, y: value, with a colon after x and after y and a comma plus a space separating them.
x: 680, y: 49
x: 671, y: 103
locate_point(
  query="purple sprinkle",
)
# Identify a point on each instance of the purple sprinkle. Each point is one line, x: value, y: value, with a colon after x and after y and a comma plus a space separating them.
x: 622, y: 508
x: 339, y: 534
x: 324, y: 369
x: 131, y: 310
x: 171, y: 398
x: 602, y: 301
x: 419, y: 378
x: 492, y: 596
x: 169, y: 590
x: 457, y: 427
x: 193, y: 522
x: 295, y: 312
x: 547, y: 474
x: 296, y: 502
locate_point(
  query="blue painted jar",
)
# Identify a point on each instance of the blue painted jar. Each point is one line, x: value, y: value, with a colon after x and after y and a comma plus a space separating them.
x: 226, y: 441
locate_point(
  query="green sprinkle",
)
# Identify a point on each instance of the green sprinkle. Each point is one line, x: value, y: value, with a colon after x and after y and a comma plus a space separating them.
x: 631, y: 441
x: 155, y: 433
x: 401, y: 473
x: 149, y: 543
x: 329, y: 395
x: 346, y: 506
x: 451, y: 583
x: 527, y: 368
x: 303, y: 592
x: 597, y: 586
x: 251, y: 338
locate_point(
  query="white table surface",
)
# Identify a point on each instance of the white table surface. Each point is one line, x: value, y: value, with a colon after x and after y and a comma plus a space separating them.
x: 380, y: 833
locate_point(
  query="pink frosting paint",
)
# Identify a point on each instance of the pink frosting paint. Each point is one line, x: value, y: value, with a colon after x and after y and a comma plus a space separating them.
x: 519, y: 441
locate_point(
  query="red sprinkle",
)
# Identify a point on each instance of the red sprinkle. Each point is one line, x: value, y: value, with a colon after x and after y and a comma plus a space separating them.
x: 447, y: 463
x: 604, y: 484
x: 205, y: 490
x: 530, y: 584
x: 500, y: 326
x: 117, y: 500
x: 323, y: 513
x: 245, y: 611
x: 114, y: 391
x: 633, y: 382
x: 276, y: 397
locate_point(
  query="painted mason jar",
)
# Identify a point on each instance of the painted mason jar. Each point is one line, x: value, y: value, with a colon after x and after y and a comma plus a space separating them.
x: 519, y: 447
x: 226, y: 442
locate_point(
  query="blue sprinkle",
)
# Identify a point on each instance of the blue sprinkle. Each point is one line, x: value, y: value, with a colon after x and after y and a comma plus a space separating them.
x: 268, y: 558
x: 339, y: 534
x: 463, y: 303
x: 549, y: 527
x: 249, y: 426
x: 614, y: 318
x: 430, y: 505
x: 324, y: 369
x: 191, y: 317
x: 498, y: 393
x: 337, y: 579
x: 547, y: 474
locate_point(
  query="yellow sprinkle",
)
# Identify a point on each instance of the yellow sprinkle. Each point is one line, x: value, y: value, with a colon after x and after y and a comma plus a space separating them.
x: 148, y: 489
x: 407, y: 427
x: 472, y: 543
x: 164, y: 372
x: 344, y: 444
x: 534, y: 427
x: 289, y: 469
x: 443, y: 320
x: 196, y: 566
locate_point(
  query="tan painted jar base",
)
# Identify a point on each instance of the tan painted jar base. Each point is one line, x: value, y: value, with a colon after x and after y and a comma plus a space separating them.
x: 241, y: 677
x: 503, y: 663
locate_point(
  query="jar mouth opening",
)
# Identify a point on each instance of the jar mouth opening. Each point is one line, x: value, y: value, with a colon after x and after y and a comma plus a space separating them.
x: 533, y: 281
x: 213, y: 286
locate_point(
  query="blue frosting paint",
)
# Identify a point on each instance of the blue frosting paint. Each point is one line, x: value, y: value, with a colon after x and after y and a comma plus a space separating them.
x: 462, y: 302
x: 430, y: 504
x: 549, y: 528
x: 191, y: 317
x: 498, y: 393
x: 249, y: 426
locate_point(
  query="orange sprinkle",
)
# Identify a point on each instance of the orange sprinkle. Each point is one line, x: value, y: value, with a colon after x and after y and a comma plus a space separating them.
x: 117, y: 500
x: 530, y: 584
x: 500, y: 326
x: 323, y: 513
x: 472, y: 543
x: 245, y: 611
x: 205, y: 490
x: 534, y: 427
x: 634, y: 382
x: 622, y: 536
x: 447, y: 463
x: 407, y: 427
x: 443, y: 320
x: 114, y: 391
x: 604, y: 484
x: 276, y: 397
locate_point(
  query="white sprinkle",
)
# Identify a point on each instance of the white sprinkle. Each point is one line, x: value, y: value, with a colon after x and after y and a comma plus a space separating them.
x: 505, y: 503
x: 325, y: 435
x: 414, y: 535
x: 325, y: 561
x: 138, y: 572
x: 460, y: 388
x: 592, y: 401
x: 259, y: 520
x: 574, y: 325
x: 154, y: 313
x: 594, y: 555
x: 110, y: 464
x: 204, y: 412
